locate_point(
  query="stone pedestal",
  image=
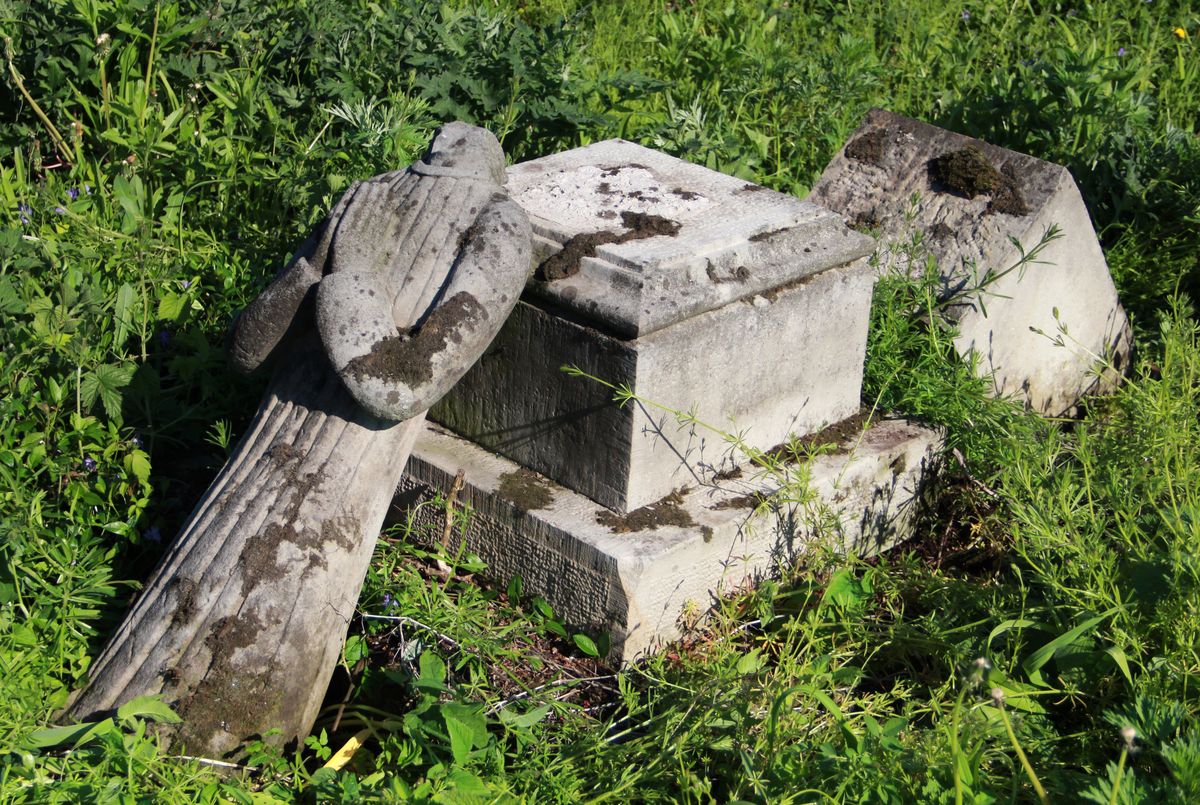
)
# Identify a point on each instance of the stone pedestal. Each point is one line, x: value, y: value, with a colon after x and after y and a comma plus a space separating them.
x: 699, y: 293
x: 693, y: 289
x: 1047, y: 334
x: 642, y: 576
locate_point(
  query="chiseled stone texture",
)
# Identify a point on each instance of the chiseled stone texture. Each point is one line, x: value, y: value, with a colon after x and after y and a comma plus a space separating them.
x: 636, y: 575
x: 752, y: 312
x: 1068, y: 295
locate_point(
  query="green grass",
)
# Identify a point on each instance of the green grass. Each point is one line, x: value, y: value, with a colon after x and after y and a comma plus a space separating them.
x: 161, y: 159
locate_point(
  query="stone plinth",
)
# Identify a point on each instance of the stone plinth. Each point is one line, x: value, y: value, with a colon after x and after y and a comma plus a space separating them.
x: 1042, y: 332
x: 695, y: 290
x: 636, y: 575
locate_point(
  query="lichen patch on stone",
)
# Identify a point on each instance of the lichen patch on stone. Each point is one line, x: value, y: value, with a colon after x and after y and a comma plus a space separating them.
x: 965, y: 171
x: 638, y: 225
x: 217, y: 706
x: 968, y: 173
x: 666, y: 512
x: 408, y: 360
x: 867, y: 148
x: 1007, y: 198
x: 525, y: 489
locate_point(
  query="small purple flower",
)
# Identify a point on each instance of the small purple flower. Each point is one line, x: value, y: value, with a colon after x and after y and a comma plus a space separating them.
x: 387, y: 601
x: 60, y: 210
x: 152, y: 534
x: 164, y: 338
x: 25, y: 210
x: 72, y: 193
x: 186, y: 284
x: 87, y: 188
x: 89, y: 464
x: 1120, y: 51
x: 966, y: 15
x: 136, y: 441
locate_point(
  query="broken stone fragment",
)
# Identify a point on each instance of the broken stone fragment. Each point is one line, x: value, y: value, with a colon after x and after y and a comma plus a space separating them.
x: 1047, y: 333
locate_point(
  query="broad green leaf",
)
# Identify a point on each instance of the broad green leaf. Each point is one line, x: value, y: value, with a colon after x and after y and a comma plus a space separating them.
x: 131, y: 195
x: 749, y: 663
x: 109, y: 379
x: 515, y: 588
x: 465, y: 785
x: 1034, y: 662
x: 137, y: 463
x: 356, y: 649
x: 846, y: 591
x: 150, y: 708
x: 1121, y: 660
x: 22, y: 635
x: 123, y: 312
x: 524, y: 720
x: 10, y: 301
x: 466, y: 727
x: 542, y: 607
x: 432, y: 672
x: 72, y: 734
x: 586, y: 645
x: 1008, y: 625
x: 460, y: 739
x: 171, y: 306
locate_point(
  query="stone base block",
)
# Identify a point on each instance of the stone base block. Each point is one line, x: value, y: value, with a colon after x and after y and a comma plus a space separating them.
x: 766, y: 367
x: 696, y: 291
x: 1045, y: 333
x: 636, y: 574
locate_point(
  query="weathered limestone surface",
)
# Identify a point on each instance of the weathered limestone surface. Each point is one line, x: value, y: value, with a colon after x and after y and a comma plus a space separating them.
x: 636, y: 574
x: 389, y: 301
x: 692, y: 288
x: 969, y: 205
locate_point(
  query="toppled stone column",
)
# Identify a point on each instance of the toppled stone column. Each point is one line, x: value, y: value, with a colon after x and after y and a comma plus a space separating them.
x: 1048, y: 333
x: 383, y: 308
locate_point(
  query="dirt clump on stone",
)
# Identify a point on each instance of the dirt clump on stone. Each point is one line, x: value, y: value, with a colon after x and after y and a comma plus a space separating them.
x: 768, y: 234
x: 965, y: 171
x: 409, y: 359
x: 666, y: 512
x: 968, y: 173
x: 185, y: 600
x: 1007, y: 197
x: 751, y: 500
x: 730, y: 474
x: 638, y: 225
x: 525, y: 489
x: 868, y: 148
x: 835, y: 435
x: 739, y: 274
x: 225, y: 688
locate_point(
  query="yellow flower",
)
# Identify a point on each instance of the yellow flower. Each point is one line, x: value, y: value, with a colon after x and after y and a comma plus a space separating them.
x: 1181, y: 33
